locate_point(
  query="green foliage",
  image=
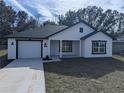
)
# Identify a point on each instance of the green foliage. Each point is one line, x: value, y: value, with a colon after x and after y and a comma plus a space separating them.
x: 11, y: 21
x: 49, y: 22
x: 7, y: 17
x: 110, y: 21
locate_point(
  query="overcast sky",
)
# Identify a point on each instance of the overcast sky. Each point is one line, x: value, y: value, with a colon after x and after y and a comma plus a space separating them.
x: 47, y: 9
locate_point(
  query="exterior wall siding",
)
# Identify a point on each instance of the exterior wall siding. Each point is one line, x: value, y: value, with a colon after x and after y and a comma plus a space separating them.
x: 72, y: 33
x: 83, y: 48
x: 98, y: 36
x: 11, y: 49
x: 46, y: 48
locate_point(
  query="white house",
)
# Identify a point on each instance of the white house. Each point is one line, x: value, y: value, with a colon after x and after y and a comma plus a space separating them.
x: 78, y: 40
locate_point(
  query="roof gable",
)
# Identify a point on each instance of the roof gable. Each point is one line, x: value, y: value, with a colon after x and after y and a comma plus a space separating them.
x: 95, y: 32
x: 50, y: 30
x: 74, y: 25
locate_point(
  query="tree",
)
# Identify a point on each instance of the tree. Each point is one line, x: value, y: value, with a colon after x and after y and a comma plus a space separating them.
x: 7, y: 19
x: 109, y: 21
x: 68, y: 19
x: 11, y: 21
x: 121, y: 23
x: 49, y: 22
x: 21, y: 21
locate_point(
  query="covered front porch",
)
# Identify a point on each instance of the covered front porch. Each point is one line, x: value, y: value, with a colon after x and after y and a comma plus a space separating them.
x: 65, y: 48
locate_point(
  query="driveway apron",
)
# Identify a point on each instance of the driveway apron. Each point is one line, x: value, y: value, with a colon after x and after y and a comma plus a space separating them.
x: 23, y: 76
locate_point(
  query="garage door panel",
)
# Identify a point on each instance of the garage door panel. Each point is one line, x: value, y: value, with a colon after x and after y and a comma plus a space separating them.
x: 29, y: 49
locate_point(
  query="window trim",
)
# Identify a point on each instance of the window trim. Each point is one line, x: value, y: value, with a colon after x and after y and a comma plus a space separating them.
x: 62, y: 45
x: 99, y: 41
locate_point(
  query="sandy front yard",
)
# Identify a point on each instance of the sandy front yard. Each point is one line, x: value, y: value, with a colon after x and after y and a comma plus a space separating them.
x: 100, y: 75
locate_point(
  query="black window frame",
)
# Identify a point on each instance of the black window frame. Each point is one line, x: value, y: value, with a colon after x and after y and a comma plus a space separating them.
x: 81, y: 30
x: 67, y: 46
x: 99, y: 41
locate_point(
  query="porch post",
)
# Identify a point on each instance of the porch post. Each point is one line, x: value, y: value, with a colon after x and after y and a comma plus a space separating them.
x: 48, y: 52
x: 80, y: 48
x: 60, y: 55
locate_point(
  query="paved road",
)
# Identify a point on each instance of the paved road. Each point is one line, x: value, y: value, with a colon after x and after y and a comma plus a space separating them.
x: 23, y: 76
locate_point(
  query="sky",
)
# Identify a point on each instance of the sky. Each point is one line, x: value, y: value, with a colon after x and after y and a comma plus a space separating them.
x: 49, y: 9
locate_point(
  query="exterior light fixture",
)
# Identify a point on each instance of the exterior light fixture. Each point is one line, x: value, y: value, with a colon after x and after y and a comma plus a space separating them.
x: 12, y: 43
x: 45, y: 44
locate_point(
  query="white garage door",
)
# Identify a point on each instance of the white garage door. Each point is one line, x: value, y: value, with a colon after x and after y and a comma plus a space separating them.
x: 29, y: 49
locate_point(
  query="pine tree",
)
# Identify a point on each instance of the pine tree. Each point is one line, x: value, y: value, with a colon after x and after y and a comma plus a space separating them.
x: 109, y: 21
x: 11, y: 21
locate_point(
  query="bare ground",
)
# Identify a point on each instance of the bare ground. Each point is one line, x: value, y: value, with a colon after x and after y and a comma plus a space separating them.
x: 3, y: 52
x: 96, y: 75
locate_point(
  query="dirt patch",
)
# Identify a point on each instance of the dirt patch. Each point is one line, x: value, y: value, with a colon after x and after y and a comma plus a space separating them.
x: 97, y: 75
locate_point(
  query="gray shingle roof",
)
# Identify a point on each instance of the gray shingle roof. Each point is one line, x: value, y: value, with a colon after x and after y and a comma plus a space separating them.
x: 49, y: 30
x: 39, y: 32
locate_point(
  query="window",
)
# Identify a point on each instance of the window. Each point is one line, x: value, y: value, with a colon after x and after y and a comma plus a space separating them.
x: 81, y: 30
x: 66, y: 46
x: 99, y: 47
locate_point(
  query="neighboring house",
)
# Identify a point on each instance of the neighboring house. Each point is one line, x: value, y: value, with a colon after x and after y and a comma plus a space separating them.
x: 120, y: 38
x: 118, y: 45
x: 78, y: 40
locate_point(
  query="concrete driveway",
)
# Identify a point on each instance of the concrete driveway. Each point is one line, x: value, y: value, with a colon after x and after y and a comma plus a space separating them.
x: 23, y: 76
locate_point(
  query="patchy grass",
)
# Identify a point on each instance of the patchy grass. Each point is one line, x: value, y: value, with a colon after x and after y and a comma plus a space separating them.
x: 119, y: 57
x: 97, y: 75
x: 3, y: 52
